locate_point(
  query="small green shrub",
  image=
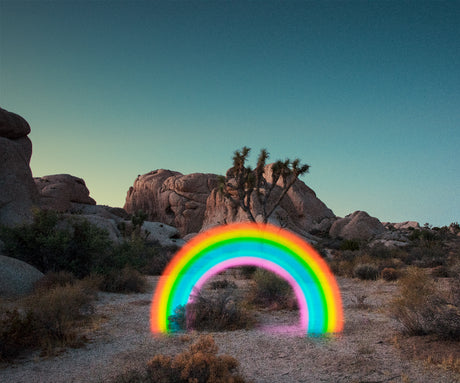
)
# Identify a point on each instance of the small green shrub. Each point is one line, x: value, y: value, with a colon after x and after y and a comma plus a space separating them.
x: 350, y: 244
x: 389, y: 274
x: 126, y: 280
x: 366, y: 271
x: 270, y: 290
x: 75, y: 248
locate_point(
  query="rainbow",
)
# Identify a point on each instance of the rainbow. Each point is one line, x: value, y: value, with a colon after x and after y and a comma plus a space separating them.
x: 251, y: 244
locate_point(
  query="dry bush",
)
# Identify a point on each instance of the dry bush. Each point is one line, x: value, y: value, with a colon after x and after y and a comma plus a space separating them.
x: 270, y: 290
x: 17, y: 334
x: 199, y: 364
x: 58, y: 311
x: 223, y: 284
x: 49, y: 319
x: 389, y: 274
x: 366, y: 271
x: 423, y: 309
x: 54, y: 279
x: 126, y: 280
x: 218, y: 312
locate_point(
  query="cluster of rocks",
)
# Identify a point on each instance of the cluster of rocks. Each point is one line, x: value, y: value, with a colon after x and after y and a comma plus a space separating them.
x: 192, y: 203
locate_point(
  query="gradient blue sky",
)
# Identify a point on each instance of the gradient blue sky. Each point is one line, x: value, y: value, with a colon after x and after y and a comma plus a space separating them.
x: 367, y: 93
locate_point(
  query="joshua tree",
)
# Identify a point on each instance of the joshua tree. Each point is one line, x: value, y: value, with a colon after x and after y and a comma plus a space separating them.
x: 242, y: 184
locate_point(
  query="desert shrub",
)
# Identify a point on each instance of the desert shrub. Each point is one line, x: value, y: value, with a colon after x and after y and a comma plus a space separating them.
x: 199, y: 364
x: 247, y: 271
x: 49, y: 319
x: 218, y: 312
x: 17, y: 334
x: 427, y: 256
x: 270, y: 290
x: 223, y: 284
x: 59, y: 310
x: 423, y: 309
x: 366, y: 271
x: 127, y: 280
x: 42, y: 244
x: 55, y: 279
x: 145, y: 257
x: 389, y: 274
x: 350, y: 244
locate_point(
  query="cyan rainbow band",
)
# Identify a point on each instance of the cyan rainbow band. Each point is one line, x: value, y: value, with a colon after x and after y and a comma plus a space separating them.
x: 261, y: 245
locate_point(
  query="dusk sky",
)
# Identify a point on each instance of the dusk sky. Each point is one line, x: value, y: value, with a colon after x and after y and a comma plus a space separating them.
x: 365, y: 92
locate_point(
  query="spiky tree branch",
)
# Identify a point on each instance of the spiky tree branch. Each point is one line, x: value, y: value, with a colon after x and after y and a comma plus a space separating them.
x: 246, y: 182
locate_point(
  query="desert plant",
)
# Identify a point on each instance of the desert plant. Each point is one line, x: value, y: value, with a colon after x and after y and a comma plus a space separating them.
x: 366, y: 271
x: 49, y: 248
x: 270, y: 290
x: 244, y: 186
x: 350, y: 244
x: 223, y: 284
x: 58, y: 311
x: 17, y: 334
x: 199, y: 364
x: 422, y: 308
x: 127, y: 280
x: 49, y: 319
x: 389, y: 274
x: 54, y: 279
x: 220, y: 312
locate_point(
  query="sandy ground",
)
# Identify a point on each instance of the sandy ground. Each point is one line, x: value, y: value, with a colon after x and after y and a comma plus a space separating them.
x: 366, y: 351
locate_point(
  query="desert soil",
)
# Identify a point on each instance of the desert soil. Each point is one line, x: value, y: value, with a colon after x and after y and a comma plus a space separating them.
x: 370, y: 348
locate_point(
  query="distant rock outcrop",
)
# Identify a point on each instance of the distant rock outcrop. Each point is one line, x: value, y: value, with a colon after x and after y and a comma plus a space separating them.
x: 172, y: 198
x: 358, y: 225
x: 192, y: 202
x: 59, y: 191
x: 16, y: 277
x: 18, y: 193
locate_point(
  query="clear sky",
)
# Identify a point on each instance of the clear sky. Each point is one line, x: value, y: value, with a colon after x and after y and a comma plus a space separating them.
x: 366, y: 92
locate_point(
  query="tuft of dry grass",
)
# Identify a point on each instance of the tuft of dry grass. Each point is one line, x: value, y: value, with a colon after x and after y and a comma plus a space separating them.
x: 49, y: 319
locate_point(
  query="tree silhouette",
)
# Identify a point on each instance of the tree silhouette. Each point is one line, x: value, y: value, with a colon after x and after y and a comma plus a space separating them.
x: 243, y: 185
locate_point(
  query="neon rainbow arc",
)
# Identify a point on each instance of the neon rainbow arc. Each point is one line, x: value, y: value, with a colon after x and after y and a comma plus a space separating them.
x: 251, y: 244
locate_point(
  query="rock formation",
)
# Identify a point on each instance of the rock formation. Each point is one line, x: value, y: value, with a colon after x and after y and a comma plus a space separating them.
x: 16, y: 277
x: 172, y: 198
x: 192, y: 202
x: 18, y: 193
x: 358, y: 225
x: 59, y: 191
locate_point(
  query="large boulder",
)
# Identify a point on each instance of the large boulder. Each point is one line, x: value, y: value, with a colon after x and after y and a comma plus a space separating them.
x: 17, y: 277
x: 172, y: 198
x: 358, y: 225
x: 18, y: 193
x: 59, y: 191
x: 12, y: 125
